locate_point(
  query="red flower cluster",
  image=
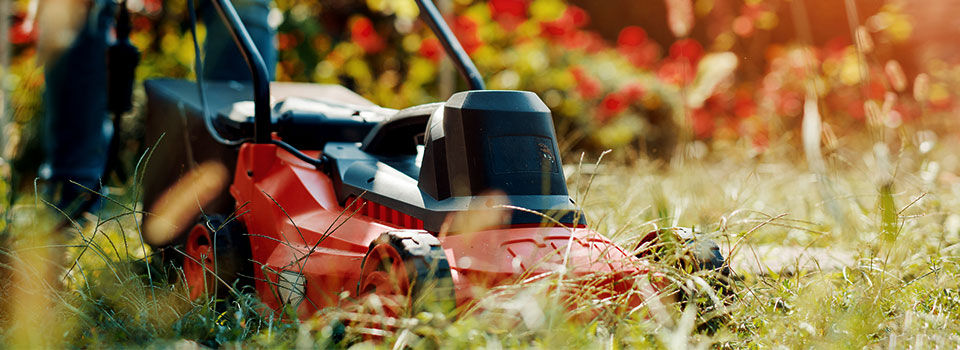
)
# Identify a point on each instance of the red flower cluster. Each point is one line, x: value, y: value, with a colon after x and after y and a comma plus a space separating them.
x: 686, y: 50
x: 618, y: 101
x: 286, y: 41
x: 733, y: 112
x: 142, y: 24
x: 509, y: 13
x: 633, y: 44
x: 681, y: 67
x: 566, y: 31
x: 20, y: 32
x: 365, y: 35
x: 466, y: 31
x: 430, y: 48
x: 587, y: 86
x: 703, y: 123
x: 614, y: 103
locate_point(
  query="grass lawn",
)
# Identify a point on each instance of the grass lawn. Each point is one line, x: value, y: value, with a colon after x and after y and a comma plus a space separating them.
x: 862, y: 253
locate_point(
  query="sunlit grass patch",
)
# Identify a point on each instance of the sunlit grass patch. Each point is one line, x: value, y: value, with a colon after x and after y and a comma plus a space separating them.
x: 896, y: 285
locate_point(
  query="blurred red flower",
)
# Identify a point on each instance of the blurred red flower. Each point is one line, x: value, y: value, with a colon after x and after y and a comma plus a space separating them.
x: 876, y: 90
x: 717, y: 104
x: 142, y: 23
x: 588, y: 87
x: 611, y: 105
x: 430, y: 49
x: 577, y: 16
x: 466, y: 31
x: 702, y: 122
x: 681, y: 67
x: 677, y: 72
x: 286, y: 41
x: 589, y: 42
x: 743, y: 104
x: 365, y: 35
x: 553, y: 30
x: 634, y: 45
x: 509, y: 13
x: 567, y: 26
x: 686, y: 49
x: 22, y: 33
x: 631, y: 37
x: 633, y: 92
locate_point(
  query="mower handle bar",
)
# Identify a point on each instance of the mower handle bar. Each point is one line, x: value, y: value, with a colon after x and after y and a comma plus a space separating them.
x: 258, y: 69
x: 261, y: 83
x: 430, y: 14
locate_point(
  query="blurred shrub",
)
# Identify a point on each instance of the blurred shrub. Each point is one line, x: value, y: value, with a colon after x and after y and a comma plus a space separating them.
x: 623, y: 92
x: 602, y: 95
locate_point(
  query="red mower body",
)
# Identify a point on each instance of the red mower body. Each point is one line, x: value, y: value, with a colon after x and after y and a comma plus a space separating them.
x: 288, y: 207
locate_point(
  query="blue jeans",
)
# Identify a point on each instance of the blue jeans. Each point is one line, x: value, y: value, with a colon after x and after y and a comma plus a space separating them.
x: 77, y: 123
x: 77, y: 132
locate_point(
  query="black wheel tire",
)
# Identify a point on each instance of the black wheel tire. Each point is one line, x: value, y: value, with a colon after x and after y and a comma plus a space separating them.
x: 706, y: 255
x: 430, y: 283
x: 702, y: 252
x: 698, y: 254
x: 231, y: 251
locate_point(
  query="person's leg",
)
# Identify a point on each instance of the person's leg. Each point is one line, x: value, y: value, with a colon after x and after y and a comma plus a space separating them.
x: 77, y: 130
x: 222, y: 59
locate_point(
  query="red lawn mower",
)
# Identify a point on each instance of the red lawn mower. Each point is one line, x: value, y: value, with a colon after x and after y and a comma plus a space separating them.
x: 334, y: 198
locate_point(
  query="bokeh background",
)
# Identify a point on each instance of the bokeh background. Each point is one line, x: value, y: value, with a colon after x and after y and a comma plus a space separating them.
x: 644, y: 76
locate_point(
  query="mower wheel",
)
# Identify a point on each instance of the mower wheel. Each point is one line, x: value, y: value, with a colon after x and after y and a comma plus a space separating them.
x: 217, y: 253
x: 409, y: 270
x: 703, y: 253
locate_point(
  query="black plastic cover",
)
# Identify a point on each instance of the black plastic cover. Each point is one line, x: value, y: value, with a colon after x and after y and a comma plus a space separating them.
x: 401, y: 133
x: 392, y: 182
x: 492, y: 140
x: 478, y: 141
